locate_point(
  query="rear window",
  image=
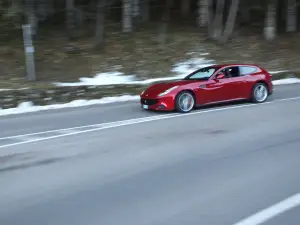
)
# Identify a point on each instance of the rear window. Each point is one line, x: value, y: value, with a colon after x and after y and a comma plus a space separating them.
x: 245, y: 70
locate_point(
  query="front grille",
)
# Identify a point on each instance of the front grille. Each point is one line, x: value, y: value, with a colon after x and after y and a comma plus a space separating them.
x: 149, y: 101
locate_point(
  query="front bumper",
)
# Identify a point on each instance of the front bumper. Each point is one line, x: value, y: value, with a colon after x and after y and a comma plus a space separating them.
x: 161, y: 104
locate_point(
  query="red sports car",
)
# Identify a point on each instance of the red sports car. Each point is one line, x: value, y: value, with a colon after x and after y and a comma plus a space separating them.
x: 210, y: 85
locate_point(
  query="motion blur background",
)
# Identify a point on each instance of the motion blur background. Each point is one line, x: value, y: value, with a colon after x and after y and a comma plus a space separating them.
x: 82, y: 38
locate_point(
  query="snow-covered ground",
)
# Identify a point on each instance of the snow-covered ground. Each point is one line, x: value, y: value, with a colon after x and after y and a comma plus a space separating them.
x: 286, y: 81
x: 27, y: 107
x: 180, y: 70
x: 113, y: 78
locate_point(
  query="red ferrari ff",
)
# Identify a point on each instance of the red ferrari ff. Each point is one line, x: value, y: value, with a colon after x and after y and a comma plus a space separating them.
x: 210, y: 85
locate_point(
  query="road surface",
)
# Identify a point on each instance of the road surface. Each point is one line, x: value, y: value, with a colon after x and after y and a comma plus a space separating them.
x: 218, y: 165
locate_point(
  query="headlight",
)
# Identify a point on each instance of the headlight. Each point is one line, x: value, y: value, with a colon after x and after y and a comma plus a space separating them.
x: 142, y: 92
x: 168, y: 91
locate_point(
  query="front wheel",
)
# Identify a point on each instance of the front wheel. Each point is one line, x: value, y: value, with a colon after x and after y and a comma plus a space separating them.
x: 185, y: 102
x: 259, y: 93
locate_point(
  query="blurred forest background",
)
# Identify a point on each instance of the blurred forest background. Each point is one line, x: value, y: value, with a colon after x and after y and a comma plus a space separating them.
x: 76, y: 38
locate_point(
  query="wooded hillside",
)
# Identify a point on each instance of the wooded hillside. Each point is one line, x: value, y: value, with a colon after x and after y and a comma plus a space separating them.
x: 221, y: 17
x: 85, y: 36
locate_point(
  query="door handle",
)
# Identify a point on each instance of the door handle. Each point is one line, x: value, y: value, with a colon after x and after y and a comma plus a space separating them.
x: 202, y: 86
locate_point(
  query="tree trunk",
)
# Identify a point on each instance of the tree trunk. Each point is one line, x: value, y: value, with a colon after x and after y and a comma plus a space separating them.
x: 127, y: 16
x: 218, y: 20
x: 291, y: 16
x: 231, y: 21
x: 270, y: 22
x: 100, y: 24
x: 135, y: 8
x: 165, y: 22
x: 145, y: 10
x: 185, y: 7
x: 210, y: 18
x: 203, y: 12
x: 245, y: 12
x: 135, y: 13
x: 42, y: 10
x: 70, y: 17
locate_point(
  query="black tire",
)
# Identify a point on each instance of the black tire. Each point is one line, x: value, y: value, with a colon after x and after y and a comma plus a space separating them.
x: 255, y: 98
x: 177, y: 103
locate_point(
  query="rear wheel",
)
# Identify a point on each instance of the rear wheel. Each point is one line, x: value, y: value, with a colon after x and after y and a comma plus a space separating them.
x: 185, y: 102
x: 259, y: 93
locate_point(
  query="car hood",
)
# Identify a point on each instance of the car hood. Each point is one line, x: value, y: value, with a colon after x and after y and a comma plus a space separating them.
x: 156, y: 89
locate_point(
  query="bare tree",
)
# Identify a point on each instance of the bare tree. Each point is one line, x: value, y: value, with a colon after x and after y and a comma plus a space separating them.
x: 218, y: 20
x: 135, y: 8
x: 144, y: 7
x: 231, y: 21
x: 245, y: 11
x: 100, y: 24
x: 42, y: 10
x: 270, y: 28
x: 135, y: 13
x: 203, y: 12
x: 185, y: 7
x: 127, y: 16
x: 291, y: 16
x: 210, y: 17
x: 70, y: 17
x: 165, y: 22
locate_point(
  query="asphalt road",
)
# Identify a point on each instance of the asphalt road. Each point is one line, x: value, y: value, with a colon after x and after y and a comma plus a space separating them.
x: 71, y: 117
x: 216, y: 166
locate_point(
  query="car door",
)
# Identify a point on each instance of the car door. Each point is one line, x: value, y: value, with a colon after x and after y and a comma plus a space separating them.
x: 203, y: 92
x: 245, y: 73
x: 228, y: 88
x: 199, y: 81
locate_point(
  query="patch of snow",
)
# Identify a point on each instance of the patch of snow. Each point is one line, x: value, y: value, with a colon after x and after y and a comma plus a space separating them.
x: 26, y: 88
x: 196, y: 53
x: 27, y: 107
x: 113, y: 78
x: 110, y: 78
x: 286, y: 81
x: 278, y: 71
x: 180, y: 70
x: 188, y: 66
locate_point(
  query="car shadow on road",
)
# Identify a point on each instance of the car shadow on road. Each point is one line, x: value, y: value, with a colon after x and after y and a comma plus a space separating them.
x: 211, y: 106
x: 228, y: 104
x: 207, y: 107
x: 220, y: 105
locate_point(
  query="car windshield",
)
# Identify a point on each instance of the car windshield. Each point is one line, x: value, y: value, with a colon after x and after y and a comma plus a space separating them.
x: 202, y: 74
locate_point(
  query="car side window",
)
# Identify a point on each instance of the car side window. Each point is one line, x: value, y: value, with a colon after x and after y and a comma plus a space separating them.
x: 230, y: 72
x: 246, y: 70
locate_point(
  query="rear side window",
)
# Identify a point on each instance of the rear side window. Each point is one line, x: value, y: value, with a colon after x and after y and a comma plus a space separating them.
x: 246, y: 70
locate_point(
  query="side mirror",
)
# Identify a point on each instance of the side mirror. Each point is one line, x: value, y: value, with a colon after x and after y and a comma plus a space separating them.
x: 220, y: 76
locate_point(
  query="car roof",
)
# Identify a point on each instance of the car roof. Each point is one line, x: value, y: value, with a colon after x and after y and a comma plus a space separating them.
x: 236, y: 64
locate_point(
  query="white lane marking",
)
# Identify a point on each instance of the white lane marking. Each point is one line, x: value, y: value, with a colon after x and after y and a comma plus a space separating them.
x: 26, y: 138
x: 272, y: 211
x: 103, y: 126
x: 72, y: 129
